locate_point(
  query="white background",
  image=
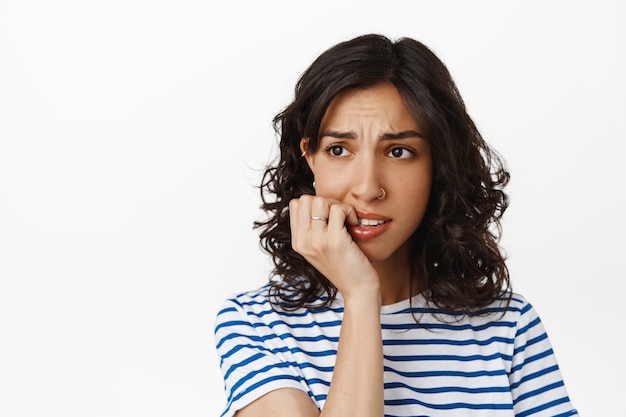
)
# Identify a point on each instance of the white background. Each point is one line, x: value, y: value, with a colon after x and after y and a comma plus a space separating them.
x: 132, y: 134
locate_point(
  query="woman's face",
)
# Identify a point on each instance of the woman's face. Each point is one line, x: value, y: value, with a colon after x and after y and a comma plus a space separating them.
x: 369, y: 141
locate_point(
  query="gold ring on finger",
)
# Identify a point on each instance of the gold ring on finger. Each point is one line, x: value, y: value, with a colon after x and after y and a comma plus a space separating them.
x: 324, y: 219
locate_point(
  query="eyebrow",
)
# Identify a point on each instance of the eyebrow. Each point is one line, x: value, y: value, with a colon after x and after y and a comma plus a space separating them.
x: 402, y: 135
x: 386, y: 136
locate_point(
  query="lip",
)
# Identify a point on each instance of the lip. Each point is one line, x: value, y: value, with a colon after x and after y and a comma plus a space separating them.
x: 361, y: 232
x: 371, y: 216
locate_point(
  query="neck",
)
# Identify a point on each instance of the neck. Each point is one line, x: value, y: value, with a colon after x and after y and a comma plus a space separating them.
x: 397, y: 282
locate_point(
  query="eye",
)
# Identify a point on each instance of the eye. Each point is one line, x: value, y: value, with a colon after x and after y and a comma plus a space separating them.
x: 336, y: 150
x: 401, y: 152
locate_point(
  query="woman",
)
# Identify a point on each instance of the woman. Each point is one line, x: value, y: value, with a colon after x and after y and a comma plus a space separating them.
x: 391, y: 295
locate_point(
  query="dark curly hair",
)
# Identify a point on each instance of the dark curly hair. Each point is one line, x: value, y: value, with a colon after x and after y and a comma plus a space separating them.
x: 455, y: 250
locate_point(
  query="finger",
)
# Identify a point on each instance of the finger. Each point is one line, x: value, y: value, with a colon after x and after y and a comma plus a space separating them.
x: 340, y: 214
x: 319, y: 213
x: 351, y: 217
x: 304, y: 213
x: 294, y: 207
x: 299, y: 217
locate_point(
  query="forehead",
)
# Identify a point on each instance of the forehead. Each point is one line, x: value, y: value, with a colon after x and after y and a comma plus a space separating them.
x: 380, y: 104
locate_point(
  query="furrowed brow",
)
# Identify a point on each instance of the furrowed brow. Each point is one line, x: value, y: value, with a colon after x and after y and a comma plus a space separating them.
x: 338, y: 135
x: 401, y: 135
x: 386, y: 136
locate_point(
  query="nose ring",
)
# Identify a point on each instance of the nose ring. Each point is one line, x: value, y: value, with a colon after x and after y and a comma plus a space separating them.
x: 382, y: 195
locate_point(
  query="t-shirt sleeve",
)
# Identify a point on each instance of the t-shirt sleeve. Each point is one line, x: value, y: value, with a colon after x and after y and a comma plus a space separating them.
x: 251, y: 366
x: 536, y: 382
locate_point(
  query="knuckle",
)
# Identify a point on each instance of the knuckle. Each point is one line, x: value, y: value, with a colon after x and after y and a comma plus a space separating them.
x: 336, y: 209
x: 306, y: 198
x: 320, y: 203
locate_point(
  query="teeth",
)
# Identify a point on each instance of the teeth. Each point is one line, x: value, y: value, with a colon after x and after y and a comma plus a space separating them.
x: 370, y: 222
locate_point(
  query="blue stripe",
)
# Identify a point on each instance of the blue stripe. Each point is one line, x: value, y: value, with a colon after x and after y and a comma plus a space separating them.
x: 282, y: 336
x: 464, y: 374
x: 287, y: 336
x: 320, y: 397
x: 304, y: 313
x: 318, y: 381
x: 297, y: 350
x: 568, y: 413
x: 237, y: 348
x: 237, y: 335
x: 458, y: 358
x: 328, y: 352
x: 271, y: 325
x: 443, y: 390
x: 227, y: 310
x: 262, y: 347
x: 284, y: 349
x: 261, y: 298
x: 515, y: 297
x: 535, y: 375
x: 303, y: 365
x: 543, y: 407
x: 389, y: 415
x: 538, y: 391
x: 534, y: 341
x: 242, y: 363
x: 532, y: 359
x: 253, y: 302
x: 232, y: 323
x: 523, y: 330
x: 252, y: 387
x: 526, y: 308
x: 450, y: 406
x: 467, y: 342
x: 251, y: 375
x: 448, y: 326
x: 461, y: 313
x: 455, y: 313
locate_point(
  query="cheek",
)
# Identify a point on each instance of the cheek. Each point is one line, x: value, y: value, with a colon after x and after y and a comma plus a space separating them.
x: 416, y: 197
x: 329, y: 181
x: 329, y: 187
x: 417, y: 184
x: 327, y: 184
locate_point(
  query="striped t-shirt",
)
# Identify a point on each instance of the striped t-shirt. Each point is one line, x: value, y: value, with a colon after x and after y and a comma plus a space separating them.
x: 436, y: 363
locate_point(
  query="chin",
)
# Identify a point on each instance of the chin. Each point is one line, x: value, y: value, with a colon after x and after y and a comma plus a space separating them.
x: 384, y: 251
x: 375, y: 255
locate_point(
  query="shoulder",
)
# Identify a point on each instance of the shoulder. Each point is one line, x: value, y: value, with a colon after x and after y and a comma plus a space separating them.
x: 518, y: 304
x: 511, y: 310
x: 261, y: 308
x: 523, y: 311
x: 247, y: 300
x: 528, y: 335
x: 256, y: 341
x: 536, y: 382
x: 511, y: 305
x: 238, y: 308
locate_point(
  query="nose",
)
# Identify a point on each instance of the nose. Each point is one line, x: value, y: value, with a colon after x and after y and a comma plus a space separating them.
x: 367, y: 178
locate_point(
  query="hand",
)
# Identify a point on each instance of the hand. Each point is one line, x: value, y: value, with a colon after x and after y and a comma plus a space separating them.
x: 328, y: 246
